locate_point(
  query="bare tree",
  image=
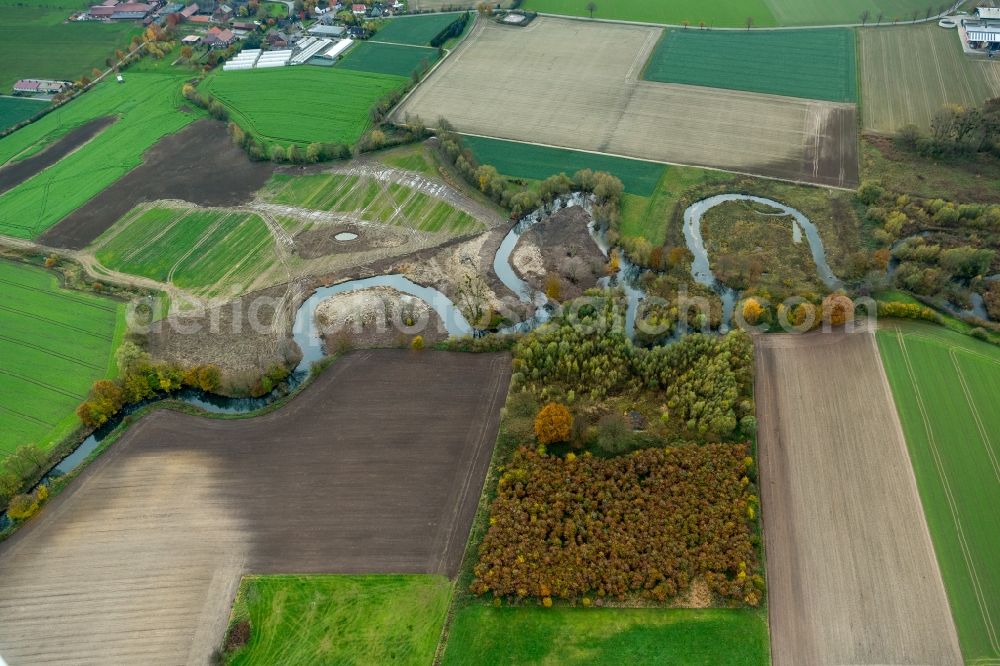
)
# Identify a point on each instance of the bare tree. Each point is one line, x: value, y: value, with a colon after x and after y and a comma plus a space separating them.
x: 591, y: 7
x: 685, y: 23
x: 865, y: 15
x: 916, y: 15
x: 930, y: 10
x: 701, y: 24
x: 749, y: 22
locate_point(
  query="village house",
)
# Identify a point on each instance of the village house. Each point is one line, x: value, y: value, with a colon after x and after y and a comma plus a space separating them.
x: 219, y: 38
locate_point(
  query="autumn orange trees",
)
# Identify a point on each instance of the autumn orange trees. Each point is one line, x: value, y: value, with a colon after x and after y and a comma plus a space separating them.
x: 553, y: 424
x: 641, y: 524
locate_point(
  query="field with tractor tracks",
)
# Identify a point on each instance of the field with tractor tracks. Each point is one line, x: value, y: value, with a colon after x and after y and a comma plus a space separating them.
x: 852, y: 577
x: 946, y: 385
x: 167, y: 521
x: 909, y: 72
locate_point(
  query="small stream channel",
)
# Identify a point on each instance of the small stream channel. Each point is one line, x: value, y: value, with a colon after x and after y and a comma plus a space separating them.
x: 306, y: 333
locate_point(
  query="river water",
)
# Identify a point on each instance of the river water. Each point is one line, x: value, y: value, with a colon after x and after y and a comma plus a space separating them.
x: 306, y: 333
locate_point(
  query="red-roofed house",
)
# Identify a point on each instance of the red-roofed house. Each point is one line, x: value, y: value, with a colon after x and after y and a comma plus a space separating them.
x: 217, y: 38
x: 359, y: 10
x: 200, y: 18
x: 101, y: 11
x: 189, y: 11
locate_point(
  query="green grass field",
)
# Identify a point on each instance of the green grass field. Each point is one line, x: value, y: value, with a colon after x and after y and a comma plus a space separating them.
x: 394, y: 59
x: 269, y: 103
x: 734, y: 13
x: 370, y: 200
x: 523, y: 160
x: 147, y: 107
x: 909, y: 72
x: 814, y: 64
x: 649, y: 216
x: 275, y: 9
x: 15, y: 109
x: 946, y: 387
x: 419, y: 30
x: 322, y: 619
x: 533, y: 635
x: 54, y: 343
x: 208, y: 252
x: 37, y: 43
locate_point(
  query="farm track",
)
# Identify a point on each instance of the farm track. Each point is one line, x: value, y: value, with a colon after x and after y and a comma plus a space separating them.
x: 852, y: 575
x: 137, y: 561
x: 578, y: 88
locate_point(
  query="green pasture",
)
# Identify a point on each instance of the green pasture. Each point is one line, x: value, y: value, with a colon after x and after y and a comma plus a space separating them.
x: 909, y: 72
x: 524, y: 160
x: 825, y: 12
x: 370, y: 200
x: 649, y: 216
x: 394, y: 59
x: 205, y: 251
x: 147, y: 106
x: 814, y: 64
x: 532, y: 635
x: 301, y: 105
x: 418, y: 30
x: 275, y: 9
x: 15, y: 109
x: 946, y: 385
x: 411, y: 158
x: 734, y: 13
x: 54, y: 343
x: 36, y: 42
x: 330, y: 619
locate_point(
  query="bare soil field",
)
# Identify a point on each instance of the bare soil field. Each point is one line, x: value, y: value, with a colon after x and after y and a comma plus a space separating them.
x: 852, y: 575
x: 199, y: 165
x: 138, y: 560
x: 577, y: 86
x: 16, y: 173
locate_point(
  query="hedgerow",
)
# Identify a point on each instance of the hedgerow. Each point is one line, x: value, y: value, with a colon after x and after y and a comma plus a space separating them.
x: 642, y: 524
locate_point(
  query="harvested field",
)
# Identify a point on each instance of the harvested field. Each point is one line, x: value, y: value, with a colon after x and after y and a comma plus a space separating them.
x: 909, y: 73
x: 199, y: 165
x: 166, y: 522
x: 578, y: 88
x: 852, y: 576
x: 15, y: 173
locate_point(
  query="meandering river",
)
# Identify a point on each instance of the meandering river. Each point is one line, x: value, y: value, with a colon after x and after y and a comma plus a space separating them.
x: 307, y: 335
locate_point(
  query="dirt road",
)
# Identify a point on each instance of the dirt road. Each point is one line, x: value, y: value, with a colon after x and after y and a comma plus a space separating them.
x: 377, y: 467
x: 851, y: 571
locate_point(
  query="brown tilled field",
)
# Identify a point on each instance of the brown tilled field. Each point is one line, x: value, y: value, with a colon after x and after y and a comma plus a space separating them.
x: 852, y: 576
x: 576, y: 84
x: 377, y: 467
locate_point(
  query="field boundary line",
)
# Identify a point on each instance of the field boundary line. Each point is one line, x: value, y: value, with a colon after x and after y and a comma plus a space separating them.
x: 59, y: 294
x: 663, y: 162
x: 932, y: 19
x: 983, y: 432
x: 949, y: 495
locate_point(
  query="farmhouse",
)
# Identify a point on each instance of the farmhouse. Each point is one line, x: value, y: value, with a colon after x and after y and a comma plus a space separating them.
x: 189, y: 11
x: 219, y: 37
x: 335, y: 31
x: 40, y: 86
x: 982, y: 31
